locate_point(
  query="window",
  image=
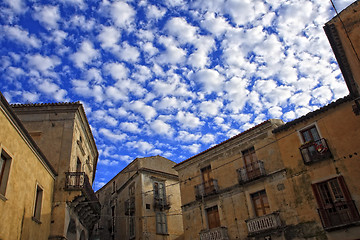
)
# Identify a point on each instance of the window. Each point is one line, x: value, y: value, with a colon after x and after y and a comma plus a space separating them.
x: 159, y: 191
x: 213, y: 218
x: 112, y: 219
x: 260, y: 203
x: 314, y: 147
x: 161, y: 225
x: 113, y: 187
x: 132, y: 226
x: 336, y: 207
x: 132, y: 189
x: 38, y: 203
x: 5, y: 161
x: 207, y: 180
x: 253, y: 168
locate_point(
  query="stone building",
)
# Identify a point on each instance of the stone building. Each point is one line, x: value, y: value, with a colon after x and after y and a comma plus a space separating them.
x: 26, y: 181
x: 62, y: 132
x: 230, y: 191
x: 141, y: 202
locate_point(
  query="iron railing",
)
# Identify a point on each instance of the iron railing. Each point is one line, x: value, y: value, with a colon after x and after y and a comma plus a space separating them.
x: 340, y: 214
x: 251, y: 172
x: 315, y: 151
x: 219, y: 233
x: 79, y: 181
x: 206, y: 189
x: 162, y: 202
x: 263, y: 223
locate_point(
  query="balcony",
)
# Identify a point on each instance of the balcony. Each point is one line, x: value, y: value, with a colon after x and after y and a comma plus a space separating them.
x: 130, y: 206
x: 162, y: 203
x: 340, y: 214
x: 263, y: 224
x: 315, y: 151
x: 251, y: 172
x: 206, y: 189
x: 85, y: 204
x: 220, y: 233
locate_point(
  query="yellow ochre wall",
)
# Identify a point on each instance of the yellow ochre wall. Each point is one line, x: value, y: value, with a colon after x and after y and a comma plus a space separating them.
x: 26, y: 171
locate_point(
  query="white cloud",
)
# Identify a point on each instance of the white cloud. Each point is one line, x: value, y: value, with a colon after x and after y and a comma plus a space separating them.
x: 210, y: 80
x: 82, y: 88
x: 161, y: 128
x: 184, y: 136
x: 207, y: 138
x: 188, y: 120
x: 172, y: 54
x: 79, y: 3
x: 179, y: 28
x: 112, y: 136
x: 103, y: 117
x: 128, y: 53
x: 52, y: 89
x: 18, y: 35
x: 94, y: 74
x: 142, y: 146
x: 118, y: 71
x: 43, y: 64
x: 81, y: 22
x: 153, y: 12
x: 109, y: 37
x: 146, y: 111
x: 85, y: 55
x: 48, y: 15
x: 210, y: 108
x: 130, y: 127
x: 122, y: 14
x: 193, y: 149
x: 18, y: 6
x: 217, y: 25
x: 108, y: 162
x: 30, y: 96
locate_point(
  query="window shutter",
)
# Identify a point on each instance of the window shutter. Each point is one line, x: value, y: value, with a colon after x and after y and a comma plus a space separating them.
x: 317, y: 196
x: 165, y: 223
x: 158, y: 223
x: 344, y: 188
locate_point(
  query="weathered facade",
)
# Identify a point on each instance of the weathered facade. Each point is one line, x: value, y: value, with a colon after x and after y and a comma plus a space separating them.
x: 141, y: 202
x: 320, y: 152
x: 231, y: 191
x: 26, y: 182
x: 62, y: 132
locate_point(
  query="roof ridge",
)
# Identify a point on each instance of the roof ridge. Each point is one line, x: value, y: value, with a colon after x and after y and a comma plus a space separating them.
x: 44, y: 104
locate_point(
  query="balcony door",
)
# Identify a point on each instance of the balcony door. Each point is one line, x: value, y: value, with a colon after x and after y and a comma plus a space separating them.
x: 207, y: 180
x: 311, y: 135
x: 250, y: 160
x: 260, y: 203
x: 213, y: 217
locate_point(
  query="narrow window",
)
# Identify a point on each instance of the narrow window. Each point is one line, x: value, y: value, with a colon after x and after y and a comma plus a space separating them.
x: 4, y: 171
x: 161, y: 224
x: 113, y: 187
x: 132, y: 226
x: 112, y: 219
x: 260, y: 203
x: 207, y: 180
x: 38, y: 203
x: 213, y: 217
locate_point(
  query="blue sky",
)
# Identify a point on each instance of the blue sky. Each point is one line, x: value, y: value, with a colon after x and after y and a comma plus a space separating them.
x: 170, y: 77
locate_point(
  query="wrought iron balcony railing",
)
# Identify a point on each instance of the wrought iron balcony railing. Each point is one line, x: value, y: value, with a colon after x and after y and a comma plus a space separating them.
x: 87, y: 204
x: 219, y: 233
x: 315, y: 151
x: 206, y: 189
x: 130, y: 206
x: 264, y: 223
x: 162, y: 202
x: 340, y: 214
x: 251, y: 172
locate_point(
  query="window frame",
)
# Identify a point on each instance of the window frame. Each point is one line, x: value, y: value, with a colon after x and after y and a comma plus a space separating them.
x: 161, y: 223
x: 261, y: 195
x: 4, y: 171
x: 38, y: 203
x: 216, y: 219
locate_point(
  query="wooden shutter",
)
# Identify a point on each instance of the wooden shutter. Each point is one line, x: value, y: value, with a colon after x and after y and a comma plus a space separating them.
x: 344, y: 188
x: 317, y: 196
